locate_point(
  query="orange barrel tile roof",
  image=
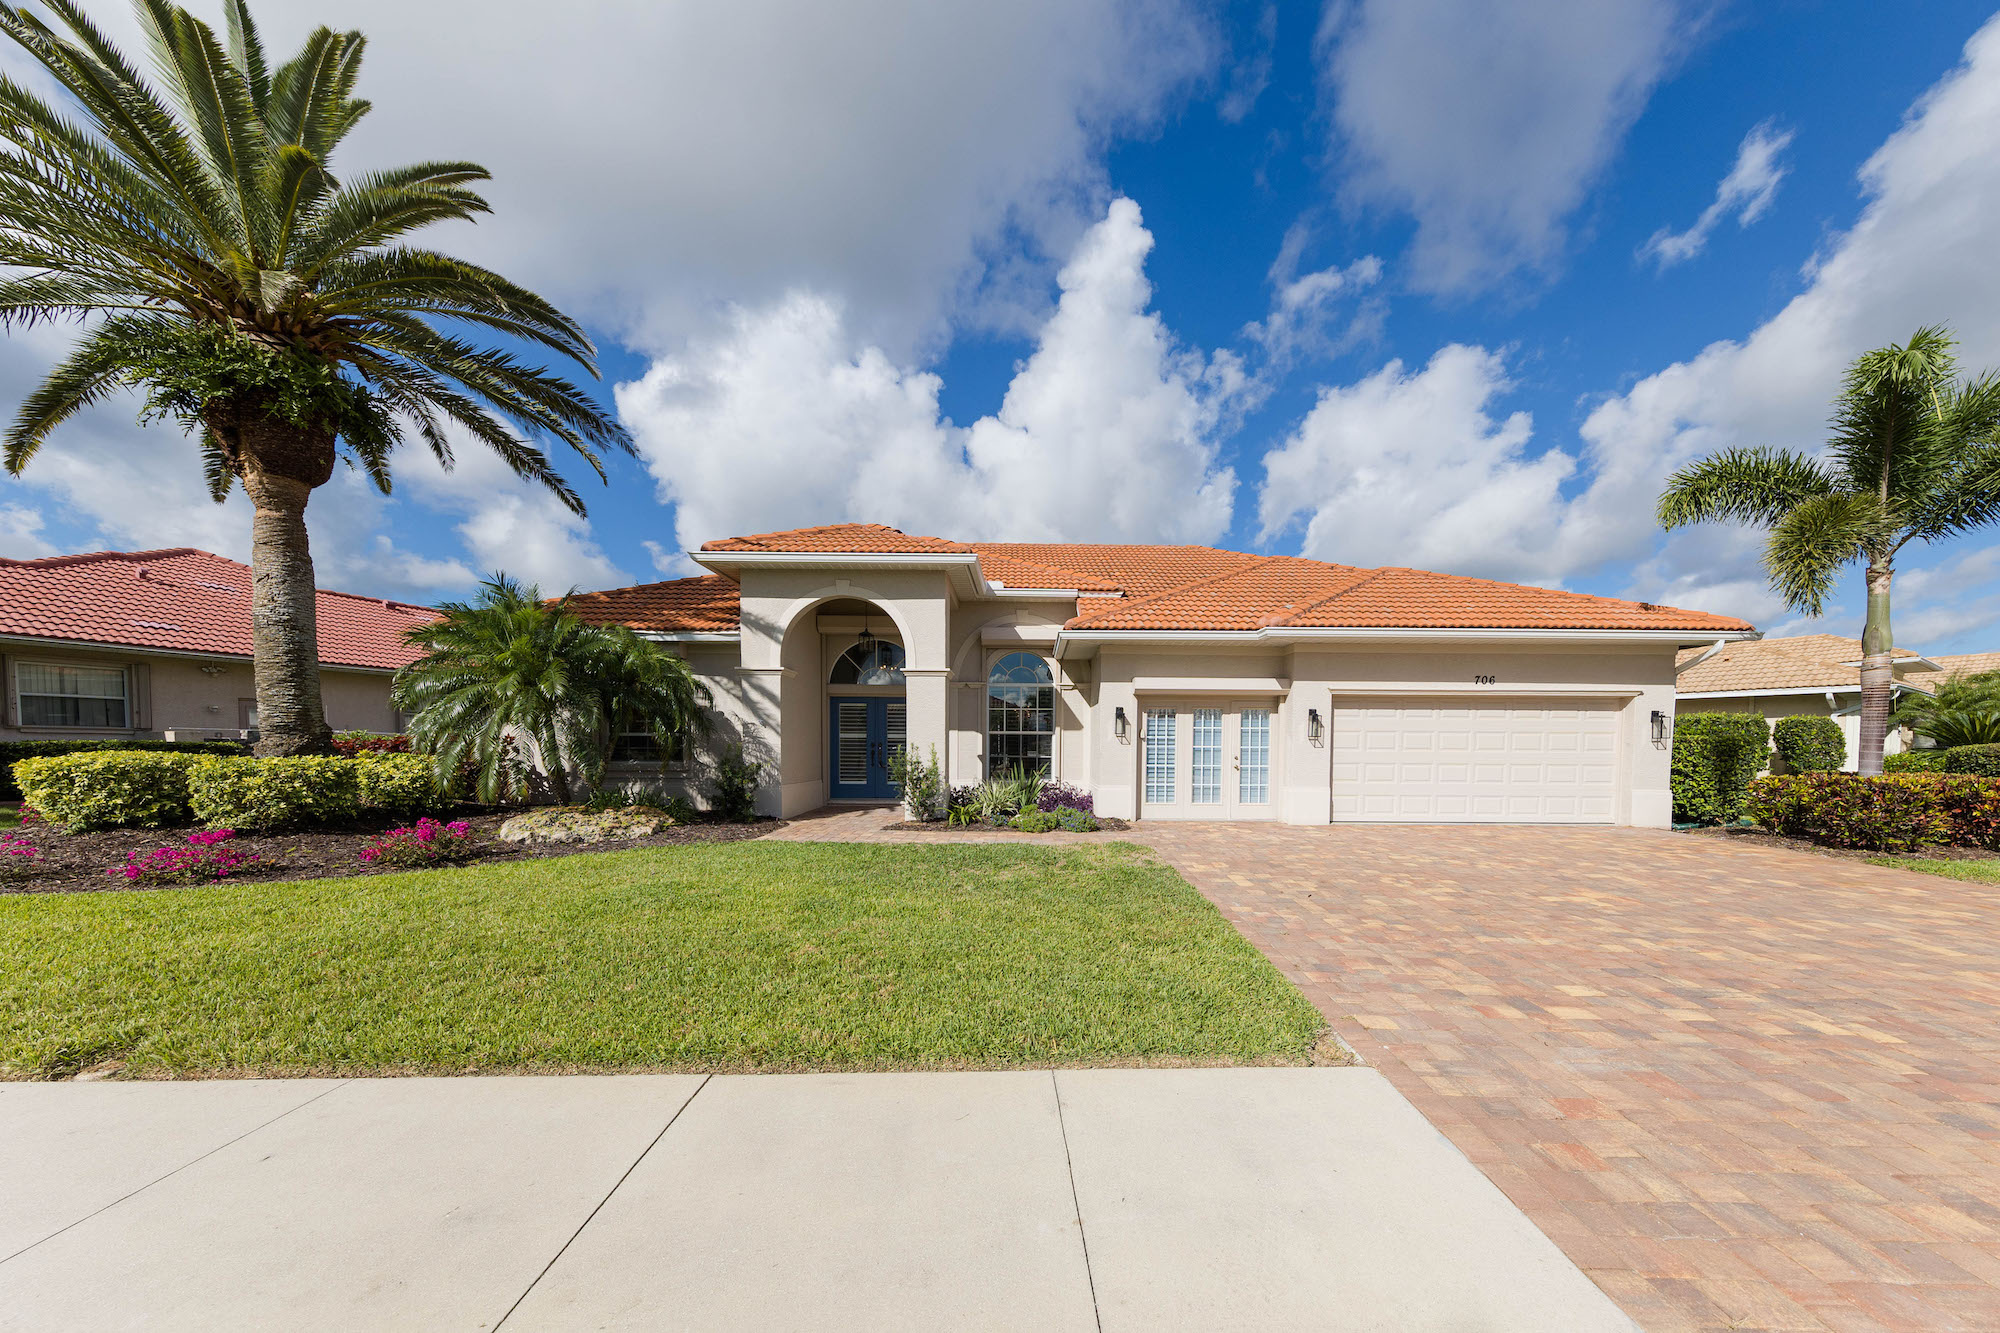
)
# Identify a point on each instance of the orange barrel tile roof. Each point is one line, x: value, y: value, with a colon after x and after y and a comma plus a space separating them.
x: 185, y: 600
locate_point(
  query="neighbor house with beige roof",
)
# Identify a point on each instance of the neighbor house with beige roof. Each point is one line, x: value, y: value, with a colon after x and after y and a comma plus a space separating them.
x: 1817, y: 675
x: 1174, y: 682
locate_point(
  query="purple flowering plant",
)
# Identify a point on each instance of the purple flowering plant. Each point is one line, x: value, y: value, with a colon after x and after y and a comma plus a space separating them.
x: 423, y: 843
x: 1062, y: 796
x: 202, y: 857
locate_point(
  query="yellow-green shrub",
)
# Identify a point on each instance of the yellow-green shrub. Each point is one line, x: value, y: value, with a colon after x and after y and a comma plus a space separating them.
x: 109, y: 788
x: 274, y: 793
x: 397, y: 784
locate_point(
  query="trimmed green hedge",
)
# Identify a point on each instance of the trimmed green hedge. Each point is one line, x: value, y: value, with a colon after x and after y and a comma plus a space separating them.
x: 1893, y: 813
x: 12, y: 752
x: 1807, y: 744
x: 110, y: 789
x: 295, y: 792
x: 1982, y: 760
x: 400, y: 784
x: 1915, y: 761
x: 1716, y: 755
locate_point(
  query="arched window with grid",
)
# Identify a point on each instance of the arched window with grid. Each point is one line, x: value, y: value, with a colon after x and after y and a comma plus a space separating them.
x: 1020, y: 716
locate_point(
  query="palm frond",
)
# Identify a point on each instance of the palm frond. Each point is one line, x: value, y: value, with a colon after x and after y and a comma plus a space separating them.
x: 1815, y: 540
x: 1751, y: 485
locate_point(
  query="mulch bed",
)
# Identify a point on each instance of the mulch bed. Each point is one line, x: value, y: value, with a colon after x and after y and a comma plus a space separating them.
x: 76, y: 862
x: 940, y: 826
x: 1765, y: 838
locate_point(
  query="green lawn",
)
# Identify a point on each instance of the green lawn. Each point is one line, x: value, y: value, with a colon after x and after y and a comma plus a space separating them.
x: 1979, y: 872
x: 731, y: 956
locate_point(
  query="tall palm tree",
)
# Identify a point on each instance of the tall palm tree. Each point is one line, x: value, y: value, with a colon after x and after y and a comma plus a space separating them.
x: 515, y: 665
x: 1914, y: 456
x: 197, y: 232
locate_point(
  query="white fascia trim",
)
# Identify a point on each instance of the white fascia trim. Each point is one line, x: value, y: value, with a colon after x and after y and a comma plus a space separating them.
x: 1788, y: 689
x: 941, y: 560
x: 691, y: 635
x: 1001, y: 590
x: 1899, y: 686
x: 1283, y: 634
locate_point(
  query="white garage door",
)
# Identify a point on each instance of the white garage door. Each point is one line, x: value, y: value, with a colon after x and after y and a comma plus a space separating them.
x: 1424, y: 761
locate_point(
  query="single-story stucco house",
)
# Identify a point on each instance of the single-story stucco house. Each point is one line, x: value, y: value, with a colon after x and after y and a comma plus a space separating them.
x: 1817, y: 675
x: 117, y: 644
x: 1174, y: 682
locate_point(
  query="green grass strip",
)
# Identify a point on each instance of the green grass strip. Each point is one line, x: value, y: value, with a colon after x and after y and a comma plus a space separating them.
x: 739, y: 956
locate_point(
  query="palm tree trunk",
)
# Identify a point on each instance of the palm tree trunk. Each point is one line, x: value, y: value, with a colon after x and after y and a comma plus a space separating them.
x: 1878, y: 677
x: 284, y: 629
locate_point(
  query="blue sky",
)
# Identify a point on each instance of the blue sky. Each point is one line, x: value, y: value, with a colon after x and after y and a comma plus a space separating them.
x: 1387, y: 283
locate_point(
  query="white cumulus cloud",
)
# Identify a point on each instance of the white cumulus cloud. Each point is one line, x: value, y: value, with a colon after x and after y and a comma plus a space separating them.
x: 1107, y: 431
x: 1746, y: 192
x: 1412, y: 468
x: 1488, y: 123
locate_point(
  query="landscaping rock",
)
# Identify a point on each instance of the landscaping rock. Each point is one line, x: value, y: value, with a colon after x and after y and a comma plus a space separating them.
x: 576, y: 824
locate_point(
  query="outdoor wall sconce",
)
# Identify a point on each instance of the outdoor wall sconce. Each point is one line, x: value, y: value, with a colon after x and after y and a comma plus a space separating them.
x: 1315, y: 728
x: 1120, y: 724
x: 1659, y: 726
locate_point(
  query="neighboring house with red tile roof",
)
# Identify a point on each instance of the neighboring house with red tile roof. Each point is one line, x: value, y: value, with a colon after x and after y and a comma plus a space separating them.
x: 140, y: 643
x: 1175, y: 682
x: 1812, y: 675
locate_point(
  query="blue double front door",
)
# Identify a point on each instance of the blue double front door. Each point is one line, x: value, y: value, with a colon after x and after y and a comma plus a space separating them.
x: 863, y: 733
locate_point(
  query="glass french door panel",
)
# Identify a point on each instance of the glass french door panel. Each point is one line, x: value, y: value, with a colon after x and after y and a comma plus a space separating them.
x: 1160, y: 777
x: 853, y: 752
x: 1253, y: 782
x: 1205, y: 757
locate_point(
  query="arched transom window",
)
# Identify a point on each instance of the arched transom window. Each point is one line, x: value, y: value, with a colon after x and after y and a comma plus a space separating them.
x: 1020, y: 716
x: 870, y: 662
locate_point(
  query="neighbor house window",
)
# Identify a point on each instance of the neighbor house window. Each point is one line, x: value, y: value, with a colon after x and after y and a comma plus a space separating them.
x: 71, y: 696
x: 870, y: 662
x: 634, y: 743
x: 1020, y: 716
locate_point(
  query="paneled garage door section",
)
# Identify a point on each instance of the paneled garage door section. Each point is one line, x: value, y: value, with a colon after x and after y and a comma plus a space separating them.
x: 1440, y: 762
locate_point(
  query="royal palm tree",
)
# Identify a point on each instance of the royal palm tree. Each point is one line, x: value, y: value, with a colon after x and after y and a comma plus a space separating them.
x: 1914, y: 456
x: 197, y: 232
x: 514, y: 665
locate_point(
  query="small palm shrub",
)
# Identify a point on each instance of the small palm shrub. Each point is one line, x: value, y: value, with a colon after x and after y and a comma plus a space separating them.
x: 1807, y: 744
x: 1716, y: 755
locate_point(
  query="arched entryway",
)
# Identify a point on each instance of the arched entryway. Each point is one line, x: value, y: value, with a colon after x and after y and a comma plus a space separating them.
x: 867, y: 719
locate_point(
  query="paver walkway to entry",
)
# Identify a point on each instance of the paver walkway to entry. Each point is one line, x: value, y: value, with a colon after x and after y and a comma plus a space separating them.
x: 1741, y: 1087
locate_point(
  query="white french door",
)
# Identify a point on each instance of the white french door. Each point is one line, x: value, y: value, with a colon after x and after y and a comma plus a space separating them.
x: 1207, y: 759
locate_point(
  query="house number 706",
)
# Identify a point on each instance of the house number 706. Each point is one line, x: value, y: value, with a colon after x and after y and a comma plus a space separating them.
x: 1484, y: 680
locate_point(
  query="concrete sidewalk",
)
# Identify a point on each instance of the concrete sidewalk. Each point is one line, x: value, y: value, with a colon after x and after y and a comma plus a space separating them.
x: 1089, y: 1199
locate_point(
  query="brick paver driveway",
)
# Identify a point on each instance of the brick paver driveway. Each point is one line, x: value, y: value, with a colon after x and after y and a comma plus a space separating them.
x: 1743, y: 1088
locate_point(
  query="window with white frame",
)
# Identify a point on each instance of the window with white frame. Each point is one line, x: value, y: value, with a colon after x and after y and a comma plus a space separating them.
x: 870, y: 662
x: 1020, y: 716
x: 72, y: 696
x: 636, y: 743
